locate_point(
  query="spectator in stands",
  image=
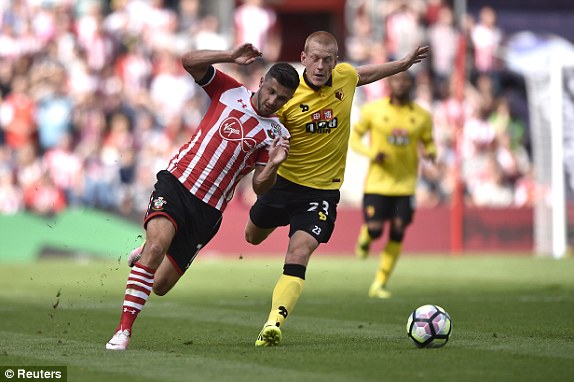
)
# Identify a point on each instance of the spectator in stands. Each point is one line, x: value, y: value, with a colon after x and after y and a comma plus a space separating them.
x: 491, y: 190
x: 101, y: 179
x: 486, y: 39
x: 360, y: 41
x: 97, y: 45
x: 54, y: 111
x: 44, y: 197
x: 404, y: 30
x: 17, y: 115
x: 170, y: 87
x: 264, y: 33
x: 28, y: 166
x: 443, y: 41
x: 189, y: 16
x: 208, y: 35
x: 11, y: 199
x: 133, y: 68
x: 65, y: 168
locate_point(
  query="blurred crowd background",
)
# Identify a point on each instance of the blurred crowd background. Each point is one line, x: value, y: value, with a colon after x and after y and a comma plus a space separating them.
x: 94, y: 101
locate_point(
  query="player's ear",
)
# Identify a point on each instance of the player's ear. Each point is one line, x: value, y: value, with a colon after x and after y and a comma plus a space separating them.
x: 303, y: 57
x: 261, y: 82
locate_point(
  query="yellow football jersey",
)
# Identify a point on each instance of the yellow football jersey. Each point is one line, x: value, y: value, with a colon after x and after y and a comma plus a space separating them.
x: 398, y: 131
x: 319, y: 123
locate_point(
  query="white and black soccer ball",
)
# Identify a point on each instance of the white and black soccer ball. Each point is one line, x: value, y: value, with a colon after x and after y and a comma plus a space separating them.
x: 429, y: 326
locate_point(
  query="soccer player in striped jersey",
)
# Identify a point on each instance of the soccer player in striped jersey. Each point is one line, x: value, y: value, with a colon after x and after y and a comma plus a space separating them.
x: 398, y: 129
x: 239, y: 133
x: 306, y: 193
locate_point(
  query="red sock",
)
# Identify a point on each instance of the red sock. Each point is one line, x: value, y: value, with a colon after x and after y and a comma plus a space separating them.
x: 138, y: 288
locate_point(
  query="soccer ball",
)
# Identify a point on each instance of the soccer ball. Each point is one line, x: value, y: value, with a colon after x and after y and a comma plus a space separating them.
x: 429, y: 326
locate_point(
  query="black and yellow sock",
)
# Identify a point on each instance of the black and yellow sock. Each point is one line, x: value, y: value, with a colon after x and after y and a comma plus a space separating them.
x: 286, y: 293
x: 364, y: 237
x: 389, y: 257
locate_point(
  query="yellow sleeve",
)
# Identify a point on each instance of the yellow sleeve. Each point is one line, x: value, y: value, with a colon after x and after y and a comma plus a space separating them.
x: 359, y: 129
x: 427, y: 137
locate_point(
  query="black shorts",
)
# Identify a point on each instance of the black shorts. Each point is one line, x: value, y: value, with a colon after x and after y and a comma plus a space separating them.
x: 195, y: 221
x: 382, y: 207
x: 302, y: 208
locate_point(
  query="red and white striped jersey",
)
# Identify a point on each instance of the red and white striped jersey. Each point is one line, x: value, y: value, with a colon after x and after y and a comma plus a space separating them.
x: 230, y: 140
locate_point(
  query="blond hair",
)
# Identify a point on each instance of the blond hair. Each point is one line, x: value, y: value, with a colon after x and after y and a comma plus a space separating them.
x: 321, y: 38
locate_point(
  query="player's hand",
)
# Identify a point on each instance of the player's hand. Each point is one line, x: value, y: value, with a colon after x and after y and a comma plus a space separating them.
x: 279, y: 150
x: 380, y: 157
x: 245, y: 54
x: 416, y: 56
x: 430, y: 158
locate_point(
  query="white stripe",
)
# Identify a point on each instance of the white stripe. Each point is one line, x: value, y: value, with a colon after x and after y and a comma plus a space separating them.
x: 184, y: 153
x: 133, y: 305
x: 141, y: 270
x: 209, y: 168
x: 137, y: 293
x: 142, y: 278
x: 139, y: 284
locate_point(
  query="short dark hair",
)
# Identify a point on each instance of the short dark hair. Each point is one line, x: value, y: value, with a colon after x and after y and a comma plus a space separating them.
x: 285, y: 74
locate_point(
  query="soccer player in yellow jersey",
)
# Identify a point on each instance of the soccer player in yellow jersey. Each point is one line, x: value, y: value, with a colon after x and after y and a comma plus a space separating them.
x: 306, y: 193
x: 399, y: 129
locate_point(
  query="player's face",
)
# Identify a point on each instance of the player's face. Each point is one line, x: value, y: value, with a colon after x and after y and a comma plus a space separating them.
x: 401, y: 85
x: 271, y: 96
x: 319, y: 61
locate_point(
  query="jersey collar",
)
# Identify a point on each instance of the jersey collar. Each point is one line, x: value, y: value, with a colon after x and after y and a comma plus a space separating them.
x: 316, y: 88
x: 409, y: 104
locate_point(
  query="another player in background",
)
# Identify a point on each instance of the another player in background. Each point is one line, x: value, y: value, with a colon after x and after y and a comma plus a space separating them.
x: 399, y: 130
x: 238, y: 133
x: 306, y: 193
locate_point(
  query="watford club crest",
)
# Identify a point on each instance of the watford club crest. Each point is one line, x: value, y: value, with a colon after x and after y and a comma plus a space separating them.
x: 339, y: 94
x: 370, y: 210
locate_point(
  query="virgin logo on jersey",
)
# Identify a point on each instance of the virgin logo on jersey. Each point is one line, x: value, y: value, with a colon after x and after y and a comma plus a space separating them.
x: 231, y: 130
x: 322, y: 122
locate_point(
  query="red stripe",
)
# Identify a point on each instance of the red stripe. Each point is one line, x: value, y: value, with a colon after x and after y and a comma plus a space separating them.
x: 146, y: 275
x: 145, y: 268
x: 138, y: 288
x: 137, y: 300
x: 130, y: 280
x: 175, y: 265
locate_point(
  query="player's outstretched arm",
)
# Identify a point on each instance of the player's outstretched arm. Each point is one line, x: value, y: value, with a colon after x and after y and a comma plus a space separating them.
x: 264, y: 177
x: 196, y: 62
x: 374, y: 72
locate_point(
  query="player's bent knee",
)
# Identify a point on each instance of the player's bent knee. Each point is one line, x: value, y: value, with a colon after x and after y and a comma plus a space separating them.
x: 161, y: 288
x: 397, y: 235
x: 253, y: 239
x: 375, y: 233
x: 157, y: 251
x: 255, y: 235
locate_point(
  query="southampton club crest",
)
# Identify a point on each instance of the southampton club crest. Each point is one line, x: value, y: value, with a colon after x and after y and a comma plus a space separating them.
x: 274, y: 131
x: 158, y: 203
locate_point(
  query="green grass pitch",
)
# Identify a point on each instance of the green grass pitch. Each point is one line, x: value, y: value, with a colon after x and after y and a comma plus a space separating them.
x: 513, y: 320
